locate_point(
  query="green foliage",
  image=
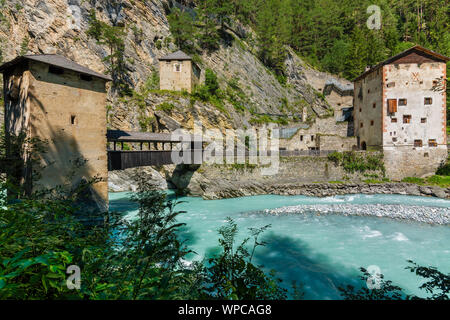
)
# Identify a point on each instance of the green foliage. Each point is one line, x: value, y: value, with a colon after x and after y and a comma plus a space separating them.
x: 24, y: 45
x: 114, y: 38
x: 436, y: 180
x: 211, y: 83
x: 123, y: 258
x: 356, y: 162
x: 444, y: 170
x: 208, y: 34
x: 182, y: 29
x: 165, y: 106
x: 342, y: 44
x: 232, y: 275
x: 436, y: 284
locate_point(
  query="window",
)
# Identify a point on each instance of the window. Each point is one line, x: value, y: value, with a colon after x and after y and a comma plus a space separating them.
x: 85, y: 77
x: 55, y: 70
x: 392, y: 105
x: 360, y: 109
x: 368, y: 91
x: 361, y: 125
x: 417, y: 143
x: 374, y: 105
x: 390, y: 85
x: 301, y: 138
x: 402, y: 102
x: 312, y: 138
x: 428, y: 101
x: 371, y: 122
x: 72, y: 119
x: 432, y: 143
x: 394, y: 139
x: 407, y: 118
x: 177, y: 67
x: 394, y: 120
x: 423, y: 120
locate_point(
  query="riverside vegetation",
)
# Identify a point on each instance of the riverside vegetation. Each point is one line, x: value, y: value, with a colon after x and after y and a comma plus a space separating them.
x: 139, y: 258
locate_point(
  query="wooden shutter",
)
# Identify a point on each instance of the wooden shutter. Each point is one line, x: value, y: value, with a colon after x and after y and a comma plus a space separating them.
x: 392, y: 105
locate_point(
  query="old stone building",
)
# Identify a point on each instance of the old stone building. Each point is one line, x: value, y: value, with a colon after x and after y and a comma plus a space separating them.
x: 178, y: 72
x: 400, y: 108
x: 62, y: 103
x: 339, y: 95
x: 324, y: 134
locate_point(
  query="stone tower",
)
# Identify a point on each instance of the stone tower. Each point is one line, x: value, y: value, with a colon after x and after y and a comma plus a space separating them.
x: 63, y: 103
x: 178, y: 72
x: 400, y: 109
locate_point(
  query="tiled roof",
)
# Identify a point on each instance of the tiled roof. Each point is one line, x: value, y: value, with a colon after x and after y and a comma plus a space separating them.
x: 179, y: 55
x: 402, y: 54
x: 341, y: 88
x: 130, y: 136
x: 58, y: 61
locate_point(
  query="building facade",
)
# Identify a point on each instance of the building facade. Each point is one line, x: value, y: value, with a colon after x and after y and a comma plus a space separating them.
x: 178, y: 72
x: 61, y: 103
x: 400, y: 109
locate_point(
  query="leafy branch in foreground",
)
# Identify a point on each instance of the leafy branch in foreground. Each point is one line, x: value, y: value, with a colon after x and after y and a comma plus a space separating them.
x: 437, y: 285
x: 232, y: 275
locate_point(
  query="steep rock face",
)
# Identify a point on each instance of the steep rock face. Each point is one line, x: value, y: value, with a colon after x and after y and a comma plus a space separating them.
x: 59, y: 26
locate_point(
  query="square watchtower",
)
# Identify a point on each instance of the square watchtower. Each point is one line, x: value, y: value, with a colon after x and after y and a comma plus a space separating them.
x: 56, y: 100
x: 178, y: 72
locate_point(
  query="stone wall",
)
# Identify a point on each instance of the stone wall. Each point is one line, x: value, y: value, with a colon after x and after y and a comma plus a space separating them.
x: 402, y: 162
x: 334, y: 142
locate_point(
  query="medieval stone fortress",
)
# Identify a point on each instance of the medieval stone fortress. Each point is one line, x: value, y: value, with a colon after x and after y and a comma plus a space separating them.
x: 397, y: 107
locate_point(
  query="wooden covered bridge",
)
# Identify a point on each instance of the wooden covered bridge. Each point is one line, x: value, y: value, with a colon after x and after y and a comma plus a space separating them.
x: 136, y: 149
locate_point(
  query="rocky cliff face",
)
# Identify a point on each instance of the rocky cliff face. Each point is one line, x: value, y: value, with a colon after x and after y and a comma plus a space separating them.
x: 59, y: 26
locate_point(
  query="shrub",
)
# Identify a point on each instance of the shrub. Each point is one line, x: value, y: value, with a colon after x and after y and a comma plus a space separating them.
x: 354, y: 162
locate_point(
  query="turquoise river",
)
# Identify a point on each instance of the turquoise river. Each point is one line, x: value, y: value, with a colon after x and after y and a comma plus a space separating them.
x: 320, y: 250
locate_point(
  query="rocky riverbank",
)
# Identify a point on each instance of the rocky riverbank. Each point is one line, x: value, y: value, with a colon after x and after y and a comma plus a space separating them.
x: 322, y: 189
x: 210, y: 189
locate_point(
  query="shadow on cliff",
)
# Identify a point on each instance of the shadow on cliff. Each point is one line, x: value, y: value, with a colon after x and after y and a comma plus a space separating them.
x: 181, y: 177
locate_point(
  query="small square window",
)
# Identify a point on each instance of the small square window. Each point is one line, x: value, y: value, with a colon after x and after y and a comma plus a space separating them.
x: 177, y: 67
x: 394, y: 120
x: 361, y: 125
x: 428, y: 101
x: 360, y: 109
x: 406, y: 118
x: 402, y: 102
x: 312, y: 138
x: 394, y: 139
x: 374, y: 105
x: 301, y: 138
x: 423, y: 120
x: 72, y: 119
x: 417, y: 143
x: 432, y: 143
x: 390, y: 85
x: 371, y: 122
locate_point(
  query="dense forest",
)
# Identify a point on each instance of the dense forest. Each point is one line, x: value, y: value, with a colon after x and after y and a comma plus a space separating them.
x: 332, y: 35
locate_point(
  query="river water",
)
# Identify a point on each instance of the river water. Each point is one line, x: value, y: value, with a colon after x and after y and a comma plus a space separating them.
x: 317, y: 241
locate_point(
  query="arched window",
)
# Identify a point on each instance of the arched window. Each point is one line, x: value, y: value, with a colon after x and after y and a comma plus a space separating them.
x: 363, y: 145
